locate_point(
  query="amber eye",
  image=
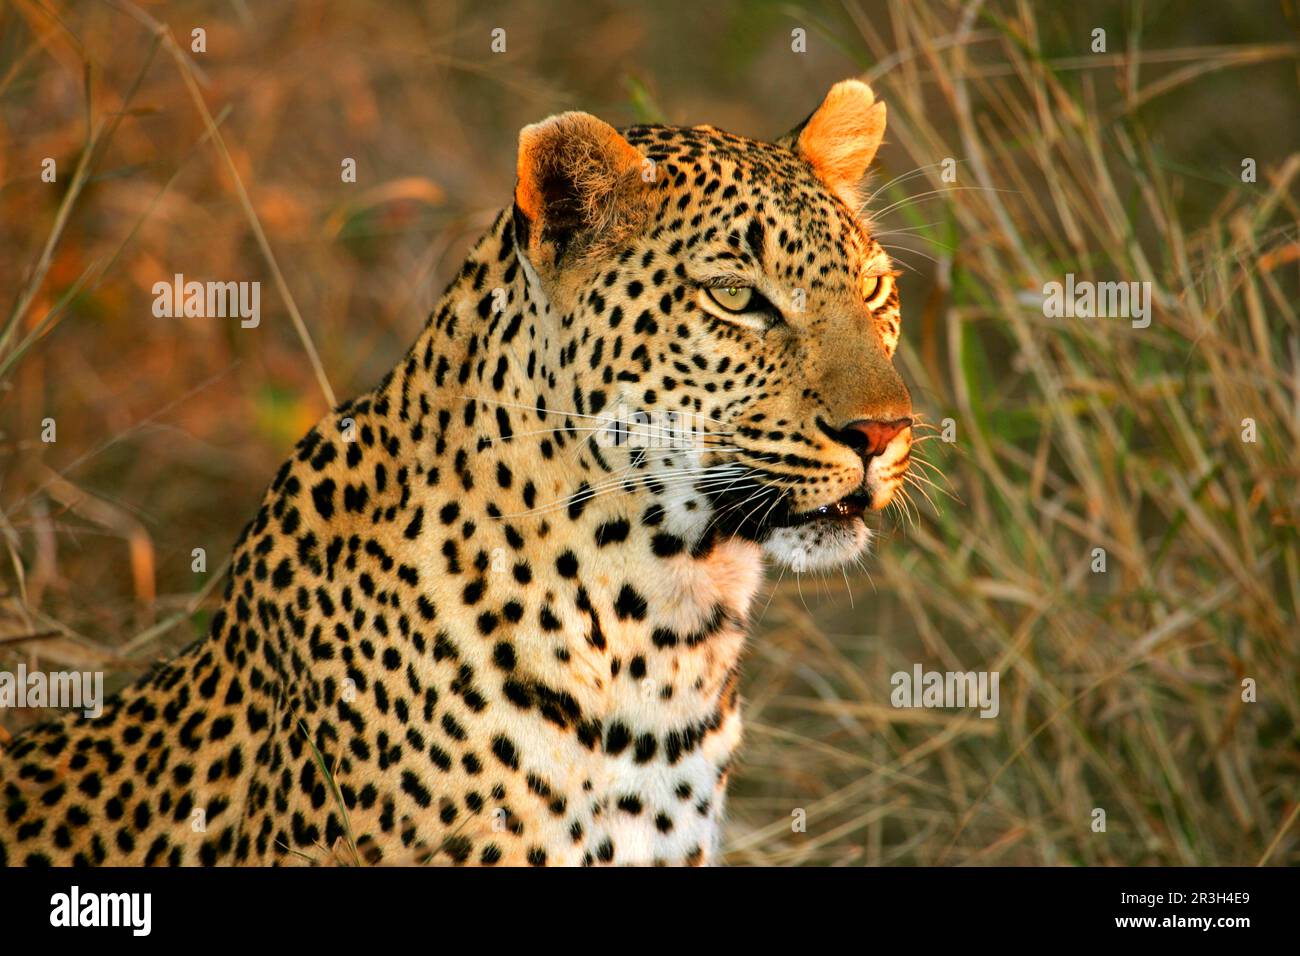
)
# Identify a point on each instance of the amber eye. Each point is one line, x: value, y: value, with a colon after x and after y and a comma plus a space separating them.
x: 870, y: 286
x: 732, y: 298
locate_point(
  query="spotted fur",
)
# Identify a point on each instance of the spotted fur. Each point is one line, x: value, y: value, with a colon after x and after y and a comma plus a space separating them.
x: 471, y: 622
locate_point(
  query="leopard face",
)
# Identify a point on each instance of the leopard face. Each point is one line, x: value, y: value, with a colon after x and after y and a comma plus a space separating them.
x: 764, y: 315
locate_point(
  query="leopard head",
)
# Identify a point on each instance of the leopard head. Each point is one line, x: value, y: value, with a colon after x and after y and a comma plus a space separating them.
x: 730, y: 289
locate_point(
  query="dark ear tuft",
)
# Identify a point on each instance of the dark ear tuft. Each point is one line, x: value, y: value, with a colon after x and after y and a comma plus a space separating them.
x: 579, y: 186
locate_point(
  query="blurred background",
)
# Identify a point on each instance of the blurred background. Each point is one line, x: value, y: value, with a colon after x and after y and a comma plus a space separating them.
x: 1121, y: 690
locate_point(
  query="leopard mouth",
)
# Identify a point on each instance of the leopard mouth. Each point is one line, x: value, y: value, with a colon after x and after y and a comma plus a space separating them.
x: 849, y: 508
x: 821, y: 538
x: 756, y: 515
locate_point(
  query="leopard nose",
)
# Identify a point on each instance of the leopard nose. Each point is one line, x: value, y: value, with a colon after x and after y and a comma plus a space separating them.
x: 870, y: 437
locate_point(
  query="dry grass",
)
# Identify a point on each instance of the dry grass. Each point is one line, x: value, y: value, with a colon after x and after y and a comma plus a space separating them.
x: 1120, y: 690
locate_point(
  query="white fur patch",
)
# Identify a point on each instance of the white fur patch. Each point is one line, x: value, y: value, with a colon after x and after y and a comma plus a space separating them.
x: 818, y: 545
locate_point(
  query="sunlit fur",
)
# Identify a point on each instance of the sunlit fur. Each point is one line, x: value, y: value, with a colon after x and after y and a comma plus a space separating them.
x: 466, y: 626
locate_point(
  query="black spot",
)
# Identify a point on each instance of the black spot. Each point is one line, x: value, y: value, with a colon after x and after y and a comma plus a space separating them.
x: 612, y: 532
x: 630, y: 803
x: 458, y: 848
x: 630, y: 604
x: 505, y: 751
x: 567, y: 564
x: 645, y: 748
x: 754, y: 236
x: 667, y: 545
x: 504, y: 655
x: 617, y: 738
x: 283, y: 575
x: 322, y: 496
x: 411, y: 784
x: 578, y: 502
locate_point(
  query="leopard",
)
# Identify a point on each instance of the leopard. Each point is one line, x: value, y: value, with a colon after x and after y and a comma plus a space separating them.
x: 493, y: 612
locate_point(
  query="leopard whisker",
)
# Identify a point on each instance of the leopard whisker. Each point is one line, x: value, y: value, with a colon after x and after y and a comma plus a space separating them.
x: 931, y: 194
x: 596, y: 430
x: 931, y: 469
x: 922, y: 479
x: 900, y: 178
x: 911, y: 479
x: 545, y: 410
x: 620, y: 482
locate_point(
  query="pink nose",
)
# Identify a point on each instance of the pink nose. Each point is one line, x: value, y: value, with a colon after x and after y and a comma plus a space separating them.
x: 876, y: 435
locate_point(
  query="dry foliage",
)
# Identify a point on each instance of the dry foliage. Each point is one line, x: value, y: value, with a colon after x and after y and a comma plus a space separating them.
x: 1119, y: 690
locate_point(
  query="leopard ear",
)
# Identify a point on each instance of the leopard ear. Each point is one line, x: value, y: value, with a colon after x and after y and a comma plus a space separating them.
x: 840, y: 139
x: 579, y: 185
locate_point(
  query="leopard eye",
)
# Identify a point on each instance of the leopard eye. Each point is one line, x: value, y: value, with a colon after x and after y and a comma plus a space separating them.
x: 732, y: 298
x: 870, y: 286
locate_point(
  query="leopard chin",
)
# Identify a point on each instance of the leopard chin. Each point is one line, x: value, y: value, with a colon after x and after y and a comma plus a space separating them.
x: 818, y: 545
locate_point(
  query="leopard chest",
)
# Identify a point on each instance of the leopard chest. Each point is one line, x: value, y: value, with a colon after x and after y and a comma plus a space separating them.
x: 584, y: 712
x: 663, y: 691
